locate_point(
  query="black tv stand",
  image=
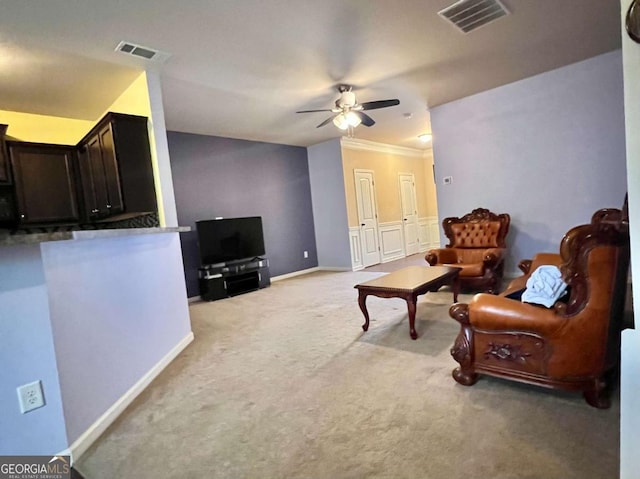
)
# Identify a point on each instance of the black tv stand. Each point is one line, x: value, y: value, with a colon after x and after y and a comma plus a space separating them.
x: 219, y: 281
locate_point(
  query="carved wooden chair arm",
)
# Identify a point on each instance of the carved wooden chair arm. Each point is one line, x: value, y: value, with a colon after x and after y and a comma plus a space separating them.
x: 441, y: 256
x: 525, y: 266
x: 493, y: 257
x: 497, y: 313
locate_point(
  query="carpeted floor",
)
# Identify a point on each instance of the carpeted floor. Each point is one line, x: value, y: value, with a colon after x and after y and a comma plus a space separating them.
x: 283, y: 383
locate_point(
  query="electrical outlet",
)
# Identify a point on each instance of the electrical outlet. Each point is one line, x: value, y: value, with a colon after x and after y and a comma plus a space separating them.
x: 306, y: 254
x: 30, y: 396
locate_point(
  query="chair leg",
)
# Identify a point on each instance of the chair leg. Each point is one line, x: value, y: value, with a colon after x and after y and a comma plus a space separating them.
x: 598, y: 394
x: 468, y: 378
x: 493, y: 285
x: 462, y: 349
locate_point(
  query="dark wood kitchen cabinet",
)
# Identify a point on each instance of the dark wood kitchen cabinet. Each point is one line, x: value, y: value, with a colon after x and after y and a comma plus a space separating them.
x: 5, y: 178
x: 101, y: 189
x: 44, y: 179
x: 116, y: 174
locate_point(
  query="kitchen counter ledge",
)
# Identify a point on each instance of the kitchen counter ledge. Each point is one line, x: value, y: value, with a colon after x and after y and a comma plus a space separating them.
x: 35, y: 238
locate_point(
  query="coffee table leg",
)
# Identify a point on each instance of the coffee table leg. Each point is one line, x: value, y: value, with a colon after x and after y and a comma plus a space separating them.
x: 411, y: 305
x: 362, y: 298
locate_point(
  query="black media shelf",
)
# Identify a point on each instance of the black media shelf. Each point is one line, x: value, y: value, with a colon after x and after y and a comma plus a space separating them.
x: 223, y: 281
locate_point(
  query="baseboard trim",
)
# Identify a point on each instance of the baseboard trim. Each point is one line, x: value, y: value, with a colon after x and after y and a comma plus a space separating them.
x: 301, y: 272
x: 87, y: 438
x: 294, y: 274
x: 393, y: 258
x: 66, y: 452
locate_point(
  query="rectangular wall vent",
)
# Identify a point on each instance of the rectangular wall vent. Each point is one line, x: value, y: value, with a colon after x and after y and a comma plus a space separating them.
x: 142, y: 52
x: 468, y: 15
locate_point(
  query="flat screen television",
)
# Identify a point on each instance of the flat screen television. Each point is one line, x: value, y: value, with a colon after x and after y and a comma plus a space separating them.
x: 229, y: 239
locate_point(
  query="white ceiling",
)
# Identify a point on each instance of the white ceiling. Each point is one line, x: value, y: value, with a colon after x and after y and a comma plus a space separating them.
x: 242, y: 68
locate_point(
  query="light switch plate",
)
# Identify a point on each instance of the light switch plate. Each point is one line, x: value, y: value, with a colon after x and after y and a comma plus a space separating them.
x: 447, y: 180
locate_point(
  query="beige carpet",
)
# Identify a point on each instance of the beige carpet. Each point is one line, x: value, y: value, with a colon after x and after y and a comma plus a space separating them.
x: 283, y: 383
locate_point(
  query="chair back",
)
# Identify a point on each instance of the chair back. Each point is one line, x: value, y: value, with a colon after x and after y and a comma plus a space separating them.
x: 595, y: 260
x: 479, y: 229
x: 595, y: 266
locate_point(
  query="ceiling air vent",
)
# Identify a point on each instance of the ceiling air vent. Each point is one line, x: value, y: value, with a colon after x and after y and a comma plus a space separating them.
x: 142, y: 52
x: 467, y: 15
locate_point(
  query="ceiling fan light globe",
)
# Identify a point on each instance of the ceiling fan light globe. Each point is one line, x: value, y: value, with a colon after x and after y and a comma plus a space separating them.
x: 353, y: 119
x: 341, y: 121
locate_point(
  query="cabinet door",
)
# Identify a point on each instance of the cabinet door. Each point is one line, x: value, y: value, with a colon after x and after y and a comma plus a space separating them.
x: 4, y: 160
x: 7, y: 207
x: 112, y: 175
x: 124, y: 168
x: 92, y: 177
x: 44, y: 184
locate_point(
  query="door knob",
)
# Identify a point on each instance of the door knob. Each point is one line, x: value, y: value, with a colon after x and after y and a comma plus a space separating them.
x: 362, y: 224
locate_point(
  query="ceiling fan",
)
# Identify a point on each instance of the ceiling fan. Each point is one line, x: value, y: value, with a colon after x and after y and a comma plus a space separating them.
x: 350, y: 113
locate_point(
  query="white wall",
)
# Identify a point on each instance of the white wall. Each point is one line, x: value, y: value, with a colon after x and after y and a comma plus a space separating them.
x: 549, y: 150
x: 630, y: 381
x: 158, y: 134
x: 329, y: 205
x: 27, y: 355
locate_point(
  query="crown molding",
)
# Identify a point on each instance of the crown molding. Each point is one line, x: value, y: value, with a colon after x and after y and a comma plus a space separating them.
x: 367, y: 145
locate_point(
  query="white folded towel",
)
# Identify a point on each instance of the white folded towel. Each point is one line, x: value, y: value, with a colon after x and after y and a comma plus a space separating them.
x: 544, y: 286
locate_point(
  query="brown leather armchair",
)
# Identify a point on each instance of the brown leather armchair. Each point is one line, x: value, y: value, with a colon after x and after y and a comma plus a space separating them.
x: 476, y: 246
x: 573, y: 345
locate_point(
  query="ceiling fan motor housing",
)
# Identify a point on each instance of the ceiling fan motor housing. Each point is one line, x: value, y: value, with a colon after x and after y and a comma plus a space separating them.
x: 348, y: 113
x: 347, y: 99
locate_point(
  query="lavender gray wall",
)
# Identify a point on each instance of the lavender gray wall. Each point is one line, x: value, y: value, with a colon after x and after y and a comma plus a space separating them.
x: 329, y: 204
x: 27, y: 354
x: 549, y: 150
x: 214, y: 176
x: 118, y: 309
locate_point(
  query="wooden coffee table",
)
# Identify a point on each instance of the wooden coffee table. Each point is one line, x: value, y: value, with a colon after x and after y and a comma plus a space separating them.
x: 408, y: 284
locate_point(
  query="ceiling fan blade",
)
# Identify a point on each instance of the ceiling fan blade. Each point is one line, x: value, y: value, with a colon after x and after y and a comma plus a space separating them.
x: 366, y: 119
x: 312, y: 111
x: 328, y: 120
x: 374, y: 105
